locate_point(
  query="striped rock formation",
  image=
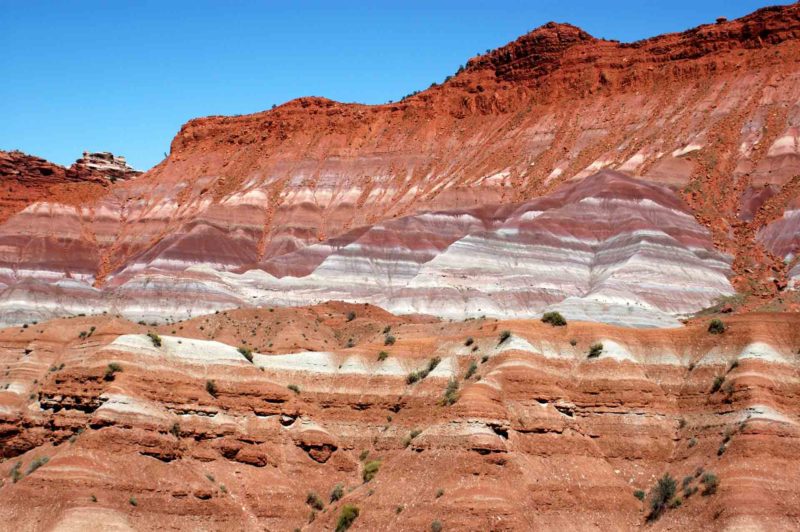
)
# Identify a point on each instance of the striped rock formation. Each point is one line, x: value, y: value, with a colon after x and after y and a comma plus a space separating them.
x: 109, y: 428
x: 420, y: 205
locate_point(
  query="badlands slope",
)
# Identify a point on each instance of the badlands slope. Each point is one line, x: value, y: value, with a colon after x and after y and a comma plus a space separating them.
x: 537, y: 436
x: 627, y: 183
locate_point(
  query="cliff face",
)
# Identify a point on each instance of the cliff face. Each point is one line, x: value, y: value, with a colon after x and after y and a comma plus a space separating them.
x: 520, y: 433
x: 711, y: 113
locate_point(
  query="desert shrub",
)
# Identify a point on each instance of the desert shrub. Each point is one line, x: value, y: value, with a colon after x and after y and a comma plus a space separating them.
x: 211, y: 388
x: 383, y: 355
x: 734, y: 365
x: 710, y: 484
x: 351, y: 343
x: 363, y: 455
x: 661, y: 495
x: 432, y: 363
x: 639, y: 494
x: 484, y: 359
x: 412, y: 377
x: 111, y: 370
x: 313, y: 500
x: 717, y: 384
x: 595, y: 350
x: 716, y: 326
x: 387, y: 329
x: 692, y: 442
x: 389, y: 340
x: 15, y: 473
x: 82, y: 335
x: 370, y: 470
x: 175, y: 429
x: 436, y: 526
x: 337, y: 493
x: 295, y: 388
x: 469, y: 341
x: 133, y: 501
x: 347, y: 516
x: 573, y: 342
x: 37, y: 463
x: 155, y: 338
x: 554, y: 318
x: 439, y: 493
x: 247, y: 353
x: 450, y: 393
x: 351, y: 316
x: 473, y: 367
x: 505, y: 335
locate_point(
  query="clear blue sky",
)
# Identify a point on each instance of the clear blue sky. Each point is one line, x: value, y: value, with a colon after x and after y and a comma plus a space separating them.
x: 123, y: 76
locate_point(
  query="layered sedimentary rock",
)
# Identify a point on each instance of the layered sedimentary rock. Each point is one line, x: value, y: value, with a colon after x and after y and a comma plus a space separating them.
x: 112, y: 166
x: 710, y: 113
x: 608, y: 248
x: 182, y: 429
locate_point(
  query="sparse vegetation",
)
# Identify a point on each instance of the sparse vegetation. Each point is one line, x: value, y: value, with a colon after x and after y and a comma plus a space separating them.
x: 389, y: 340
x: 351, y: 316
x: 347, y: 516
x: 247, y: 353
x: 211, y: 388
x: 450, y: 393
x: 439, y: 493
x: 370, y: 470
x: 383, y: 355
x: 337, y: 493
x: 133, y: 501
x: 313, y: 500
x: 295, y: 388
x: 175, y: 429
x: 15, y: 472
x: 661, y: 495
x: 469, y: 341
x: 37, y: 463
x: 717, y: 384
x: 639, y: 494
x: 416, y: 376
x: 111, y: 370
x: 473, y: 367
x: 505, y: 335
x: 155, y: 338
x: 710, y: 484
x: 436, y: 526
x: 716, y: 326
x: 595, y: 350
x: 554, y: 318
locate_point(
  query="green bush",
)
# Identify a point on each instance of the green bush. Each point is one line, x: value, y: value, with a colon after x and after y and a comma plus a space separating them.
x: 111, y: 370
x: 351, y: 316
x: 383, y: 355
x: 313, y: 500
x: 247, y: 353
x: 370, y: 470
x: 639, y: 494
x: 337, y: 493
x: 717, y: 384
x: 716, y: 326
x: 15, y: 473
x: 505, y: 335
x: 37, y: 463
x: 155, y: 338
x: 469, y: 341
x: 211, y: 388
x: 554, y: 318
x: 436, y: 526
x: 389, y: 340
x: 595, y: 350
x: 294, y: 388
x: 450, y: 393
x: 710, y: 484
x: 347, y: 516
x: 133, y: 501
x: 473, y: 367
x: 661, y: 495
x: 439, y: 493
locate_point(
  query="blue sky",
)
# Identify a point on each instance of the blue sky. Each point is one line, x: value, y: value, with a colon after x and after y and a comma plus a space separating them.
x: 123, y: 76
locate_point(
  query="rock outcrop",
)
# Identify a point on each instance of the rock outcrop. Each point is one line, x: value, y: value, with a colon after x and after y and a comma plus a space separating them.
x: 111, y: 166
x: 710, y: 113
x: 230, y: 421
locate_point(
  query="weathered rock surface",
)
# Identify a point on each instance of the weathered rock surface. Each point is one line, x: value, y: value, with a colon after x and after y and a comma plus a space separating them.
x: 538, y: 436
x: 310, y: 193
x: 112, y: 166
